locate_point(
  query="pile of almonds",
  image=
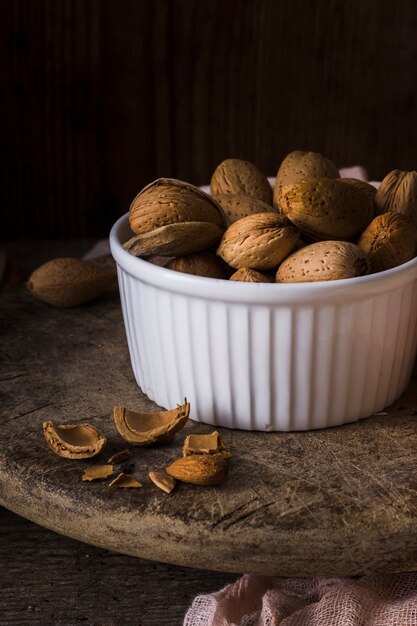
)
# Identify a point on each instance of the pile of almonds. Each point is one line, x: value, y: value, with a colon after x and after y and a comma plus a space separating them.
x: 312, y: 226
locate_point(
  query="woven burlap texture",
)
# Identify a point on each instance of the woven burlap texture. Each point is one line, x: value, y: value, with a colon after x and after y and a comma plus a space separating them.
x: 379, y: 600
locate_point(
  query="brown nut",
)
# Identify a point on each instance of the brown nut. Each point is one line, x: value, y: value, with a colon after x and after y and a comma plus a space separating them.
x: 326, y: 208
x: 199, y: 264
x: 236, y: 176
x: 300, y: 165
x: 246, y: 275
x: 258, y: 242
x: 175, y: 239
x: 199, y: 469
x: 170, y: 201
x: 73, y: 441
x: 324, y: 260
x: 145, y: 429
x: 389, y: 240
x: 68, y: 282
x: 398, y: 192
x: 367, y: 188
x: 236, y: 206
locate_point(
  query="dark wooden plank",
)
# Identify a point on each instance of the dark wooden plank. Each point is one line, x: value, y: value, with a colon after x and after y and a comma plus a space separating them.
x: 341, y: 501
x: 99, y: 98
x: 46, y: 578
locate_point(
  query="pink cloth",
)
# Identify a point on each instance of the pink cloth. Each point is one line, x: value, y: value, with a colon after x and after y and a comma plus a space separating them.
x: 379, y: 600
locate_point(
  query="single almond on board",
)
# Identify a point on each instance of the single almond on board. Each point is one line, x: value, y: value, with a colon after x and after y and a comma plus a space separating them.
x: 389, y: 240
x: 199, y: 264
x: 163, y: 481
x: 175, y: 239
x: 236, y: 176
x: 68, y: 282
x: 145, y: 429
x: 73, y: 441
x: 170, y: 201
x: 260, y: 241
x: 398, y: 192
x: 125, y: 481
x: 300, y: 165
x: 326, y: 208
x: 236, y: 206
x: 97, y: 473
x: 246, y: 275
x: 205, y: 444
x: 324, y: 260
x: 199, y: 469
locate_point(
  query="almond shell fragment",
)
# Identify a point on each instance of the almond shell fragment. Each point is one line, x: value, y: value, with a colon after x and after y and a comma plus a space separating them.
x: 163, y: 481
x: 125, y: 481
x: 145, y: 429
x: 97, y: 473
x: 73, y: 441
x: 205, y: 444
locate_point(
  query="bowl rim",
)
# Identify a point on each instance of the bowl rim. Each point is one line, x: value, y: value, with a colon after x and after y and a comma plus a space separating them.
x: 256, y: 293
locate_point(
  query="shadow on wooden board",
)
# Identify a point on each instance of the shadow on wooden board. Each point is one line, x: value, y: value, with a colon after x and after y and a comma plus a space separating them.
x: 101, y: 97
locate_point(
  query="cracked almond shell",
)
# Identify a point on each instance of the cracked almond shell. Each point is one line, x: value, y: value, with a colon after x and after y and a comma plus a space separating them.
x: 326, y: 208
x: 145, y: 429
x: 398, y: 192
x: 258, y: 242
x: 300, y: 165
x: 170, y: 201
x: 175, y: 239
x: 199, y: 469
x: 323, y: 260
x: 239, y: 177
x: 73, y: 441
x: 211, y: 443
x: 389, y: 240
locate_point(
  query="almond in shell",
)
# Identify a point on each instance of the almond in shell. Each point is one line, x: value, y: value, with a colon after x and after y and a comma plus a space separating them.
x: 239, y: 177
x: 301, y: 165
x: 236, y: 206
x: 389, y: 240
x: 247, y: 275
x: 259, y: 241
x: 170, y: 201
x: 199, y: 264
x: 398, y: 192
x: 323, y: 260
x: 175, y: 239
x: 326, y: 208
x: 67, y: 282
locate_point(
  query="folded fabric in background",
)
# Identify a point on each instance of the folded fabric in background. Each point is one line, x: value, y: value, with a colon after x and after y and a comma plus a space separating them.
x: 379, y: 600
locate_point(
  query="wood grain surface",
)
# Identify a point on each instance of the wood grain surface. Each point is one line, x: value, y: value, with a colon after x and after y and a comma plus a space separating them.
x: 101, y: 97
x: 340, y: 501
x: 48, y: 579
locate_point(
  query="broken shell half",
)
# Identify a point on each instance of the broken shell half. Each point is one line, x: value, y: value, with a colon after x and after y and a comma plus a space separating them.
x: 144, y: 429
x: 73, y: 441
x: 205, y: 444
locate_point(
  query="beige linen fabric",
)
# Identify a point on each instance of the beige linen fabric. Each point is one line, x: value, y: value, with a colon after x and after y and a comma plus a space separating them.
x: 379, y: 600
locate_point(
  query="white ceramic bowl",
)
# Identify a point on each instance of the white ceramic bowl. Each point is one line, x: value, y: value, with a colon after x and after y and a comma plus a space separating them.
x: 266, y: 356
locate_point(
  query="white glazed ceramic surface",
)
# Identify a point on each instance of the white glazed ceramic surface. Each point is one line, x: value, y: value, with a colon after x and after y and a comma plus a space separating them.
x: 266, y: 356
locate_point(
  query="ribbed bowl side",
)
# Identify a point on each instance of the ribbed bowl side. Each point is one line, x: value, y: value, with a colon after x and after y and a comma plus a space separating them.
x: 271, y: 367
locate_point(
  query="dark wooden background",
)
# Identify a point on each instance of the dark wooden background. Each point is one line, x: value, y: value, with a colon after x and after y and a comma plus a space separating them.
x: 99, y: 97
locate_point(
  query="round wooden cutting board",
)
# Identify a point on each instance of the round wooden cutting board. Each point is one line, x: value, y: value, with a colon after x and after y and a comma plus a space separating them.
x: 341, y: 501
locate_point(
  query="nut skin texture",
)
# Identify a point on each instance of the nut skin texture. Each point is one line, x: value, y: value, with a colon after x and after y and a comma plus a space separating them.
x: 200, y: 264
x: 300, y: 165
x: 327, y: 209
x: 199, y: 469
x: 170, y: 201
x: 66, y: 282
x: 236, y: 206
x: 389, y: 240
x: 246, y: 275
x: 323, y: 260
x: 258, y: 242
x: 236, y: 176
x: 398, y: 192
